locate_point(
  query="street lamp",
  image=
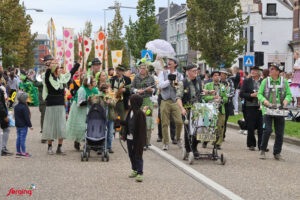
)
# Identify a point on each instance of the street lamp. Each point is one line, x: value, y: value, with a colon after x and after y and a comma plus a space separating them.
x: 35, y: 9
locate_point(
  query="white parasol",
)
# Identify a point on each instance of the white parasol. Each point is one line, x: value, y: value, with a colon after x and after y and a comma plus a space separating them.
x: 161, y: 47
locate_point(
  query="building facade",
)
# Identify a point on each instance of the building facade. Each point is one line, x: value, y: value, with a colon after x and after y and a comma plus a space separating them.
x: 41, y: 49
x: 270, y: 30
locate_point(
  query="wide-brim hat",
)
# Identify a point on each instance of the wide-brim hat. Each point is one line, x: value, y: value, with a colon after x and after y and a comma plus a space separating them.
x: 190, y: 66
x: 96, y: 61
x: 224, y: 71
x: 174, y: 59
x: 121, y: 68
x: 256, y: 67
x: 278, y: 66
x: 48, y: 57
x: 214, y: 72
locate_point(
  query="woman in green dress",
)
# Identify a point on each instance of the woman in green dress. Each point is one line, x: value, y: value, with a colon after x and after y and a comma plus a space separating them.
x: 76, y: 124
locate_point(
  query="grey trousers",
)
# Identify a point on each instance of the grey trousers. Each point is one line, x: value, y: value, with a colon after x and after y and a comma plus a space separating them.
x: 5, y: 137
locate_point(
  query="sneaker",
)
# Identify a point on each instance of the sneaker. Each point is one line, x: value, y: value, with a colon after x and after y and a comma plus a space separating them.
x: 159, y: 140
x: 196, y: 154
x: 110, y: 150
x: 5, y: 152
x: 50, y: 151
x: 77, y: 145
x: 204, y: 145
x: 277, y: 157
x: 26, y: 155
x: 252, y: 148
x: 179, y: 143
x: 262, y: 155
x: 174, y: 141
x: 19, y: 155
x: 60, y: 151
x: 133, y: 174
x: 165, y: 147
x: 139, y: 178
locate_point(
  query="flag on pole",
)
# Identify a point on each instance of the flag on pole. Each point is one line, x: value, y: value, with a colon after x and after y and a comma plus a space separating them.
x: 52, y: 38
x: 116, y: 57
x: 99, y: 45
x: 80, y: 48
x: 59, y: 50
x: 87, y: 49
x: 106, y: 55
x: 68, y: 34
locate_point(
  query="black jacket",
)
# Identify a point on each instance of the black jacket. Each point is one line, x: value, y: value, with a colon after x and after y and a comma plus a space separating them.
x: 22, y: 116
x: 3, y: 110
x: 126, y: 94
x: 247, y: 89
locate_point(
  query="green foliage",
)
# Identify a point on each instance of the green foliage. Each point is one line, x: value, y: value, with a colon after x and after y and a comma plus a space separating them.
x: 16, y: 39
x: 88, y: 28
x: 144, y: 29
x: 213, y: 27
x: 115, y: 38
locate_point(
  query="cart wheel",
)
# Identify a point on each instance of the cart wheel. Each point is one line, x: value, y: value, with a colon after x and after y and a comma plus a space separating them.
x: 223, y: 159
x: 184, y: 154
x: 82, y: 156
x: 87, y: 155
x: 191, y: 158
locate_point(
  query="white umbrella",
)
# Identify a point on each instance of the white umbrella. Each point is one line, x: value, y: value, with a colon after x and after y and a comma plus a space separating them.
x: 161, y: 47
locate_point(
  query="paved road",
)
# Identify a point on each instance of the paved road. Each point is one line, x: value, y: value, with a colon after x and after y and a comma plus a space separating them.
x: 65, y: 177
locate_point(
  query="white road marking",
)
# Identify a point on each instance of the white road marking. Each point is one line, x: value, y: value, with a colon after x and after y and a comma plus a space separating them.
x: 195, y: 174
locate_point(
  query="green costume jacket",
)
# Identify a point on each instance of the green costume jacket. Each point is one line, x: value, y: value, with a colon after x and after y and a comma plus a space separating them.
x: 223, y: 93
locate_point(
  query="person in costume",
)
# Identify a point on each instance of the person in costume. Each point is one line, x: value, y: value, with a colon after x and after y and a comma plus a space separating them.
x: 254, y: 121
x: 76, y: 124
x: 120, y: 84
x: 144, y: 85
x: 273, y: 91
x: 27, y: 86
x: 135, y: 134
x: 55, y: 116
x: 219, y: 96
x: 295, y: 85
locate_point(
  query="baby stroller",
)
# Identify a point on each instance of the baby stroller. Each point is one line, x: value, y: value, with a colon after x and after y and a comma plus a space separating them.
x: 96, y: 133
x: 202, y: 127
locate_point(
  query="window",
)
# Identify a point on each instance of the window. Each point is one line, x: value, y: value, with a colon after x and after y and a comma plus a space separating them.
x: 271, y: 9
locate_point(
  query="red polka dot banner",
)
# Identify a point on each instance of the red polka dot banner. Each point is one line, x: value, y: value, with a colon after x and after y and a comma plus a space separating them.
x: 99, y: 45
x: 68, y: 34
x: 80, y: 39
x: 87, y: 49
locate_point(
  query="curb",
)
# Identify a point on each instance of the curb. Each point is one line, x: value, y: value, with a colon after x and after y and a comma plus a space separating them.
x: 287, y: 139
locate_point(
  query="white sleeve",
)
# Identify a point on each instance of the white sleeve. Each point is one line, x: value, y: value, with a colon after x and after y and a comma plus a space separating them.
x: 81, y: 96
x: 161, y: 81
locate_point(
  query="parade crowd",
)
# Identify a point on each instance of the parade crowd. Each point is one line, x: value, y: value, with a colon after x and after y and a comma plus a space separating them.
x: 64, y: 99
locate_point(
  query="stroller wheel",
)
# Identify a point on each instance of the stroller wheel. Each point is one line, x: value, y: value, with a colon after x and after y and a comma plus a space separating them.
x: 191, y: 158
x: 107, y: 157
x: 184, y: 154
x: 102, y: 158
x: 223, y: 159
x: 82, y: 156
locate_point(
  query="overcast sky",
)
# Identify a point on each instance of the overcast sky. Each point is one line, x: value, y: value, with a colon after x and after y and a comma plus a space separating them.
x: 74, y: 13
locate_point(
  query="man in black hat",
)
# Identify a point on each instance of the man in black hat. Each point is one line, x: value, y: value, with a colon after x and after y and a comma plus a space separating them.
x: 96, y: 66
x: 121, y: 85
x: 189, y: 92
x: 254, y: 120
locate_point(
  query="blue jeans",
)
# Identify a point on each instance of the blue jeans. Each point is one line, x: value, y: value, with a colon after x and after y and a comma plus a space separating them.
x: 279, y: 124
x: 110, y: 133
x: 21, y: 139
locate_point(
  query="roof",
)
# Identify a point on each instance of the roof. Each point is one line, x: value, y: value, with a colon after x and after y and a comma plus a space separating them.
x: 41, y: 37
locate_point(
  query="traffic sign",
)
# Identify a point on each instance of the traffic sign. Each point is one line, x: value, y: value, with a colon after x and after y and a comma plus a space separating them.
x: 248, y: 61
x: 147, y: 54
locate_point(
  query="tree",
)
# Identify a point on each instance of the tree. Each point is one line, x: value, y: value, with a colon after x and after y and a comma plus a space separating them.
x: 144, y: 29
x: 16, y: 40
x: 214, y: 27
x: 115, y: 39
x: 88, y: 33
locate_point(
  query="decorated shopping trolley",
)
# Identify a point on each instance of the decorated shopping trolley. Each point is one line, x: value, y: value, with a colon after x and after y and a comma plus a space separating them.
x: 201, y: 124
